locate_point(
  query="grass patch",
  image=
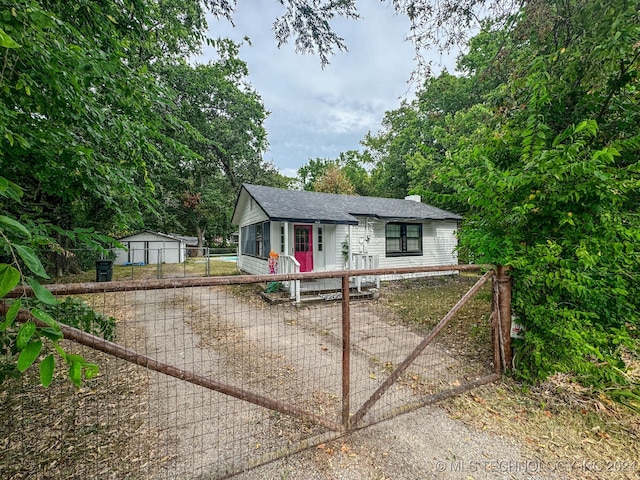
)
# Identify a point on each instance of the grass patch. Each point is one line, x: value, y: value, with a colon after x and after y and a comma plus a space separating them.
x: 193, y: 267
x: 422, y: 303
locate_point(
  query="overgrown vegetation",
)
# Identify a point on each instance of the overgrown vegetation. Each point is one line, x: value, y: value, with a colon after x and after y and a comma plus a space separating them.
x: 78, y: 314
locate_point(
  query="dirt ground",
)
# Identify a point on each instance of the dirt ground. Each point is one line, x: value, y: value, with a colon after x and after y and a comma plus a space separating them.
x: 426, y: 443
x: 161, y: 427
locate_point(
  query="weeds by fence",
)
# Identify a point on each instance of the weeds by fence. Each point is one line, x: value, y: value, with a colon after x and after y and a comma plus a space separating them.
x: 206, y: 379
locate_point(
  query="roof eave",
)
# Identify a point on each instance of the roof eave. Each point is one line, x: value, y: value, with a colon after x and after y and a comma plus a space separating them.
x: 314, y: 220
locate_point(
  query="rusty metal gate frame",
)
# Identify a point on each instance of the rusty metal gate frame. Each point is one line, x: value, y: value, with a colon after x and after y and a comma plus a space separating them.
x: 349, y: 422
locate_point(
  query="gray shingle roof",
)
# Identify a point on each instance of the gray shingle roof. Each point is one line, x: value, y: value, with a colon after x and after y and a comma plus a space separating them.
x: 304, y: 206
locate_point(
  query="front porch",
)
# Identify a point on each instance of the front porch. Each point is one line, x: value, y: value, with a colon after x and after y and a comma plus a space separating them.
x: 324, y: 289
x: 321, y: 290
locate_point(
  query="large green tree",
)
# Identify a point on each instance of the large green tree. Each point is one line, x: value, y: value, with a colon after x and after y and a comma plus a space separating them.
x: 219, y: 118
x: 545, y: 168
x: 83, y: 115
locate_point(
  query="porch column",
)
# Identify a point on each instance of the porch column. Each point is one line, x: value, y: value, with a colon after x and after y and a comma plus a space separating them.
x: 349, y: 259
x: 285, y: 225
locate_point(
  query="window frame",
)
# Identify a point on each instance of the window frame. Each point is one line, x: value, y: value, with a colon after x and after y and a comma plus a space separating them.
x: 256, y: 240
x: 403, y: 239
x: 282, y: 239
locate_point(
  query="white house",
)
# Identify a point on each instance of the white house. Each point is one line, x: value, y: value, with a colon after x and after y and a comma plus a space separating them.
x: 151, y: 248
x: 328, y: 232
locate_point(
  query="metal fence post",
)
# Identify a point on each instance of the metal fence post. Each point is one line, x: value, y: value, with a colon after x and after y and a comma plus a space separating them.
x: 504, y: 314
x: 495, y: 326
x: 159, y: 266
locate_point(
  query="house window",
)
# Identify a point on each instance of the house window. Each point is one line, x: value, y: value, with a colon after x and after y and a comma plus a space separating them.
x: 403, y: 239
x: 256, y: 240
x: 281, y: 238
x: 259, y: 246
x: 320, y: 239
x: 302, y: 240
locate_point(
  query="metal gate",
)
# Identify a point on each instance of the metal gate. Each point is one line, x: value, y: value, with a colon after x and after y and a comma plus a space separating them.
x: 209, y: 380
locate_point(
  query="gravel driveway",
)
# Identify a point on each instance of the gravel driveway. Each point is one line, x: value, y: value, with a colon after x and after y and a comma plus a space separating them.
x: 294, y: 354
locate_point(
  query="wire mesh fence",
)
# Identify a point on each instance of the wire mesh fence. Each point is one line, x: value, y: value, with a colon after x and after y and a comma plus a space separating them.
x: 210, y: 379
x: 143, y: 263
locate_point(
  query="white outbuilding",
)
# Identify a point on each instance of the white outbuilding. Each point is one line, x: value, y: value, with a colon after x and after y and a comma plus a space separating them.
x: 147, y: 247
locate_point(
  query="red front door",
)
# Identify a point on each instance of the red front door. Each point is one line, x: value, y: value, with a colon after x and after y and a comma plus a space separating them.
x: 303, y: 246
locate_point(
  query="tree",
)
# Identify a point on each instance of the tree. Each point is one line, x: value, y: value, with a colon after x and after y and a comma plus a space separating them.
x: 83, y: 114
x: 346, y: 174
x: 220, y: 119
x: 550, y: 186
x: 352, y: 164
x: 334, y: 181
x: 310, y: 172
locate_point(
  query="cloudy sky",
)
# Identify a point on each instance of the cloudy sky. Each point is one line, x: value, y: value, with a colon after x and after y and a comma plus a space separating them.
x: 315, y: 112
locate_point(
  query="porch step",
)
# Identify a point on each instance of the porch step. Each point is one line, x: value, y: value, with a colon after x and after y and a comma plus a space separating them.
x: 278, y: 298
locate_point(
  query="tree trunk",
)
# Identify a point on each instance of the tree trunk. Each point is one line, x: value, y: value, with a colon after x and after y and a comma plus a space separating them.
x: 200, y: 233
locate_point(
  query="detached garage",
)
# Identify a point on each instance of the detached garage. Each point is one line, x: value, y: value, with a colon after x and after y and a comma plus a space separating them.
x: 151, y: 248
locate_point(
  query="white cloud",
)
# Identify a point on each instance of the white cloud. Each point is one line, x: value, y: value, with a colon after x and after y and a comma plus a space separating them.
x: 321, y: 112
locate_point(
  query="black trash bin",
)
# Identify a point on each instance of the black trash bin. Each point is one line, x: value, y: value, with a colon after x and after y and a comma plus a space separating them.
x: 104, y: 270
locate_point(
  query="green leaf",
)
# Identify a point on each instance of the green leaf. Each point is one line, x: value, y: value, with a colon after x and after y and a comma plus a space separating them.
x: 15, y: 225
x: 31, y: 260
x: 6, y: 41
x: 91, y: 370
x: 25, y: 333
x: 44, y: 295
x: 75, y: 373
x: 60, y: 351
x: 10, y: 189
x: 44, y: 317
x: 73, y: 358
x: 11, y: 315
x: 9, y: 278
x: 47, y: 367
x: 29, y: 354
x: 51, y: 334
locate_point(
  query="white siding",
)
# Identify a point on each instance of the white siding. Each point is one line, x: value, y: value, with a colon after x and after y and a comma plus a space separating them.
x: 438, y: 245
x: 446, y: 243
x: 150, y: 248
x: 341, y: 236
x: 325, y: 259
x: 252, y: 213
x: 253, y: 265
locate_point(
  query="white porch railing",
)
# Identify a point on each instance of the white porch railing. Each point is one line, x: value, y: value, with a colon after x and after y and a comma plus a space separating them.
x: 288, y: 264
x: 365, y: 261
